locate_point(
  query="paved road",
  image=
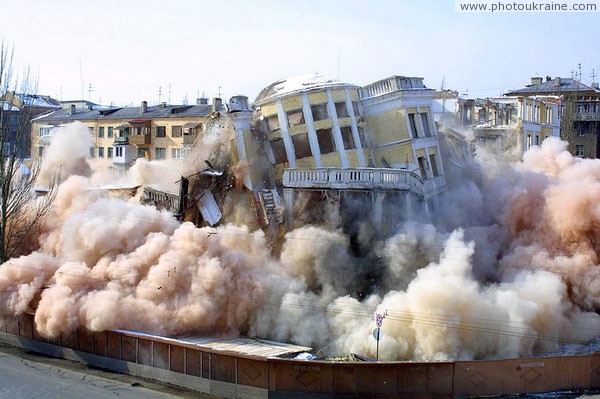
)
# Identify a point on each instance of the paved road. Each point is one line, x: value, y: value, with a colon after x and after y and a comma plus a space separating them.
x: 24, y: 375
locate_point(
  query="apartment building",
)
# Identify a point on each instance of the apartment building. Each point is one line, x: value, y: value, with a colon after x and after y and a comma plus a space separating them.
x: 579, y: 111
x: 509, y: 126
x: 125, y: 134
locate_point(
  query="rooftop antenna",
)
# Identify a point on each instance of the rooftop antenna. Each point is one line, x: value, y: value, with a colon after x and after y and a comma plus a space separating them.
x: 338, y: 75
x: 90, y: 90
x: 593, y: 76
x: 579, y: 66
x: 219, y: 94
x: 159, y: 94
x: 81, y: 78
x: 443, y: 98
x: 169, y: 100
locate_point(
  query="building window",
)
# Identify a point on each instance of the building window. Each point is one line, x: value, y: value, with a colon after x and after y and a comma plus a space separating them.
x: 177, y: 153
x: 101, y: 152
x: 326, y: 143
x: 118, y: 151
x: 434, y: 169
x: 101, y: 131
x: 273, y: 122
x: 45, y: 131
x: 161, y: 131
x: 425, y: 121
x: 109, y: 131
x: 109, y: 152
x: 301, y: 145
x: 176, y: 131
x: 278, y: 148
x: 92, y: 152
x: 319, y: 112
x: 295, y: 118
x: 91, y: 130
x: 40, y: 151
x: 141, y: 152
x: 160, y: 153
x: 537, y: 139
x: 341, y: 110
x: 579, y: 150
x: 347, y: 138
x: 422, y: 167
x: 413, y: 125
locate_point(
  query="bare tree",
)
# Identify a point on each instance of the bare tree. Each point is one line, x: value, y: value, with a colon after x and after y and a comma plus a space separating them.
x: 21, y: 211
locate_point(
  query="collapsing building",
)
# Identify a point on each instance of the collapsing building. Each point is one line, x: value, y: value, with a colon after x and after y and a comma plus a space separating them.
x: 311, y: 143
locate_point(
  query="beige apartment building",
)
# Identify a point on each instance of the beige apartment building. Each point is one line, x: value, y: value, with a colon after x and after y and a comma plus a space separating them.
x: 125, y: 134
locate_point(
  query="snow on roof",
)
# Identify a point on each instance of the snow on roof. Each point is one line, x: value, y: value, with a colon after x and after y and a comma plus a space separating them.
x: 34, y: 100
x: 6, y: 106
x: 298, y: 84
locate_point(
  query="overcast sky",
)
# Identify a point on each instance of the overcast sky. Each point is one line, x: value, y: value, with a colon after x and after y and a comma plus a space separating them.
x: 128, y: 49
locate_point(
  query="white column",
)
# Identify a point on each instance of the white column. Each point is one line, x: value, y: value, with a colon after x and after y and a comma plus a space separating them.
x: 288, y: 198
x: 359, y: 149
x: 408, y: 129
x: 419, y: 121
x: 337, y: 133
x: 241, y: 123
x: 287, y: 140
x: 312, y: 134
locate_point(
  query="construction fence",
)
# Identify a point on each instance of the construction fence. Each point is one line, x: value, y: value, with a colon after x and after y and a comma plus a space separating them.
x: 234, y: 375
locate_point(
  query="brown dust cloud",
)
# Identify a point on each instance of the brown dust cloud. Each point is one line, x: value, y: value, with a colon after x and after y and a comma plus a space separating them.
x: 508, y: 266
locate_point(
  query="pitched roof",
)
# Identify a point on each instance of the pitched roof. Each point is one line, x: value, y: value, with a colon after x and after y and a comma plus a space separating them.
x: 555, y: 86
x: 154, y: 112
x: 35, y: 100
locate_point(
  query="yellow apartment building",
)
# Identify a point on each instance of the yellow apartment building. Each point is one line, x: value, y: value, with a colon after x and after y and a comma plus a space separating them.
x: 125, y: 134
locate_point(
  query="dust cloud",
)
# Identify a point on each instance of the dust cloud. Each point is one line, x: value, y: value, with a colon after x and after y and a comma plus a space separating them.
x: 507, y: 266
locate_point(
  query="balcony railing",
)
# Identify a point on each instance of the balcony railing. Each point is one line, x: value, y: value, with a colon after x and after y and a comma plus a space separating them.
x: 140, y: 139
x: 189, y: 138
x: 587, y: 116
x: 363, y: 179
x: 121, y: 140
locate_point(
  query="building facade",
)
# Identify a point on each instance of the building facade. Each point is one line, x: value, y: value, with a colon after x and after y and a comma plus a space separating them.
x: 125, y: 134
x: 17, y: 111
x: 509, y: 126
x: 579, y: 111
x: 375, y: 146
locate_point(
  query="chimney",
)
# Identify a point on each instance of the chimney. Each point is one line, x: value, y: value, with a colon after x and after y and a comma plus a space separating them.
x: 163, y: 104
x: 556, y: 82
x: 548, y: 78
x: 202, y: 101
x: 238, y: 103
x: 144, y: 107
x: 536, y: 80
x: 595, y: 85
x: 217, y: 104
x: 72, y: 110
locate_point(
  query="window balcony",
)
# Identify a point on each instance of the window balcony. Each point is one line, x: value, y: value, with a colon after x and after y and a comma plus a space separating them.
x: 140, y: 139
x: 363, y: 179
x: 189, y: 139
x: 582, y: 116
